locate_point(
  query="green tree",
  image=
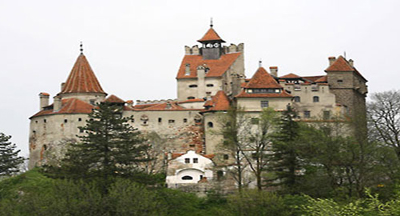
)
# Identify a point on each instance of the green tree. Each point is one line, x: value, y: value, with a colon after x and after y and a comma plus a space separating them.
x: 110, y: 148
x: 285, y: 161
x: 9, y: 159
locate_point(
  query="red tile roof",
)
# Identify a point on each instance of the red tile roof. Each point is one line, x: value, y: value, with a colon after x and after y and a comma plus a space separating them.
x: 69, y: 106
x: 211, y: 35
x: 218, y: 102
x: 192, y: 100
x: 217, y: 67
x: 342, y: 65
x: 44, y: 94
x: 82, y: 79
x: 283, y: 94
x: 322, y: 79
x: 262, y: 79
x: 312, y: 78
x: 290, y: 76
x: 114, y: 99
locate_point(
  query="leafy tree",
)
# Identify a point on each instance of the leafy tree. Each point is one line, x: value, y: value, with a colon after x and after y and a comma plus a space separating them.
x: 9, y: 159
x: 110, y: 148
x: 258, y: 138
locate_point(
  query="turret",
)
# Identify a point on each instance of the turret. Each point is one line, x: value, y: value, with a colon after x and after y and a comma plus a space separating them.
x: 211, y: 44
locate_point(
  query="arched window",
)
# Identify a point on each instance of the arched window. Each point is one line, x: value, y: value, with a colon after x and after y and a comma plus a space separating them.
x: 297, y: 99
x: 315, y: 99
x: 210, y: 124
x: 187, y: 178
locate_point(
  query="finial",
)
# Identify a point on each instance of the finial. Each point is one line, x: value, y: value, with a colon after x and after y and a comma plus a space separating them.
x: 81, y: 47
x: 260, y: 63
x: 211, y: 22
x: 344, y: 54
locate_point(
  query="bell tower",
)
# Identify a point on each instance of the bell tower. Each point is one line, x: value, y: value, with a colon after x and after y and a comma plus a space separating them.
x: 211, y: 44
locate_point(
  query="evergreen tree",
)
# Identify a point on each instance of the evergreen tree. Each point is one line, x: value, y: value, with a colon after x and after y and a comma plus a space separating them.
x: 285, y: 163
x: 110, y: 148
x: 9, y: 159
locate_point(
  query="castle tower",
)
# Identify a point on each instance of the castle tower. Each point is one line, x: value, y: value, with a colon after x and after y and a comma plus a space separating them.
x: 82, y: 83
x: 206, y: 70
x: 348, y: 85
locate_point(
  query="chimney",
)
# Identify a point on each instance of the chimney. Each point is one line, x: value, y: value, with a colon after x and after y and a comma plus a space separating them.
x: 56, y: 103
x: 351, y: 62
x: 331, y: 60
x: 44, y: 99
x: 274, y: 71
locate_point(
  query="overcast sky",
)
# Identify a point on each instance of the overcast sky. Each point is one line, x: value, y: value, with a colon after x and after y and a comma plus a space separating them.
x: 135, y: 47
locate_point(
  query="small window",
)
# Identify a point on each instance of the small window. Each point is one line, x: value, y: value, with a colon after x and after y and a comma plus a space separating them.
x: 220, y: 174
x: 34, y: 132
x: 133, y: 120
x: 92, y: 102
x: 44, y: 120
x: 297, y: 88
x: 210, y: 85
x: 159, y: 120
x: 210, y: 124
x: 315, y: 99
x: 195, y: 160
x: 307, y: 114
x: 187, y: 178
x: 171, y: 121
x: 65, y: 120
x: 201, y: 177
x: 192, y: 86
x: 185, y: 120
x: 36, y: 122
x: 264, y: 104
x: 191, y: 97
x: 226, y: 157
x: 255, y: 121
x: 340, y: 81
x: 187, y: 160
x: 297, y: 99
x: 79, y: 119
x: 327, y: 115
x: 81, y: 130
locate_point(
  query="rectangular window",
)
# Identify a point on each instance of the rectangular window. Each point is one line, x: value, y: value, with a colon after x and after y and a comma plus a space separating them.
x: 327, y: 115
x: 297, y: 87
x: 195, y: 160
x: 187, y: 160
x: 159, y: 120
x: 254, y: 121
x: 264, y: 104
x: 307, y: 114
x: 171, y: 121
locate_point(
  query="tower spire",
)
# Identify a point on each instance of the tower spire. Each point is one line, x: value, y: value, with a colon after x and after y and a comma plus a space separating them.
x: 260, y: 63
x: 211, y: 22
x: 81, y: 47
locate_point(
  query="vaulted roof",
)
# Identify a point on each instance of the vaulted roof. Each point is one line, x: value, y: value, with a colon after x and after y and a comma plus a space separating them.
x: 210, y: 36
x: 217, y: 67
x: 114, y: 99
x: 218, y: 102
x: 342, y: 65
x: 262, y: 79
x: 68, y: 106
x: 82, y: 79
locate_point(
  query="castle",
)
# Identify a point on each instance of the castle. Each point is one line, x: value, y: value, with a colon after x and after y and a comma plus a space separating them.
x: 210, y: 79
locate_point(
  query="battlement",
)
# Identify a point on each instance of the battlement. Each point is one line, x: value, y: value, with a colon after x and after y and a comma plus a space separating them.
x: 232, y: 48
x: 142, y: 102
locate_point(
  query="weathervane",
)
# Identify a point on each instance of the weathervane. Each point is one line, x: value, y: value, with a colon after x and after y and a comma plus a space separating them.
x: 211, y: 22
x: 81, y: 47
x: 260, y: 63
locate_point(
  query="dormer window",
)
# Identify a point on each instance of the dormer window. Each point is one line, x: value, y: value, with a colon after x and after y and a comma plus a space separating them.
x: 187, y: 69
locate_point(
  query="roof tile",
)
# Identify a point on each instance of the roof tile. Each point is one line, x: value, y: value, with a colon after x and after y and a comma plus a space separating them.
x: 217, y: 67
x: 262, y: 79
x: 211, y: 35
x: 82, y: 79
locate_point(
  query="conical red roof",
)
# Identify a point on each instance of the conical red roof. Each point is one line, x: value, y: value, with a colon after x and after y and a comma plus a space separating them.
x: 211, y: 35
x: 262, y: 79
x: 113, y: 99
x: 340, y: 64
x: 82, y: 79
